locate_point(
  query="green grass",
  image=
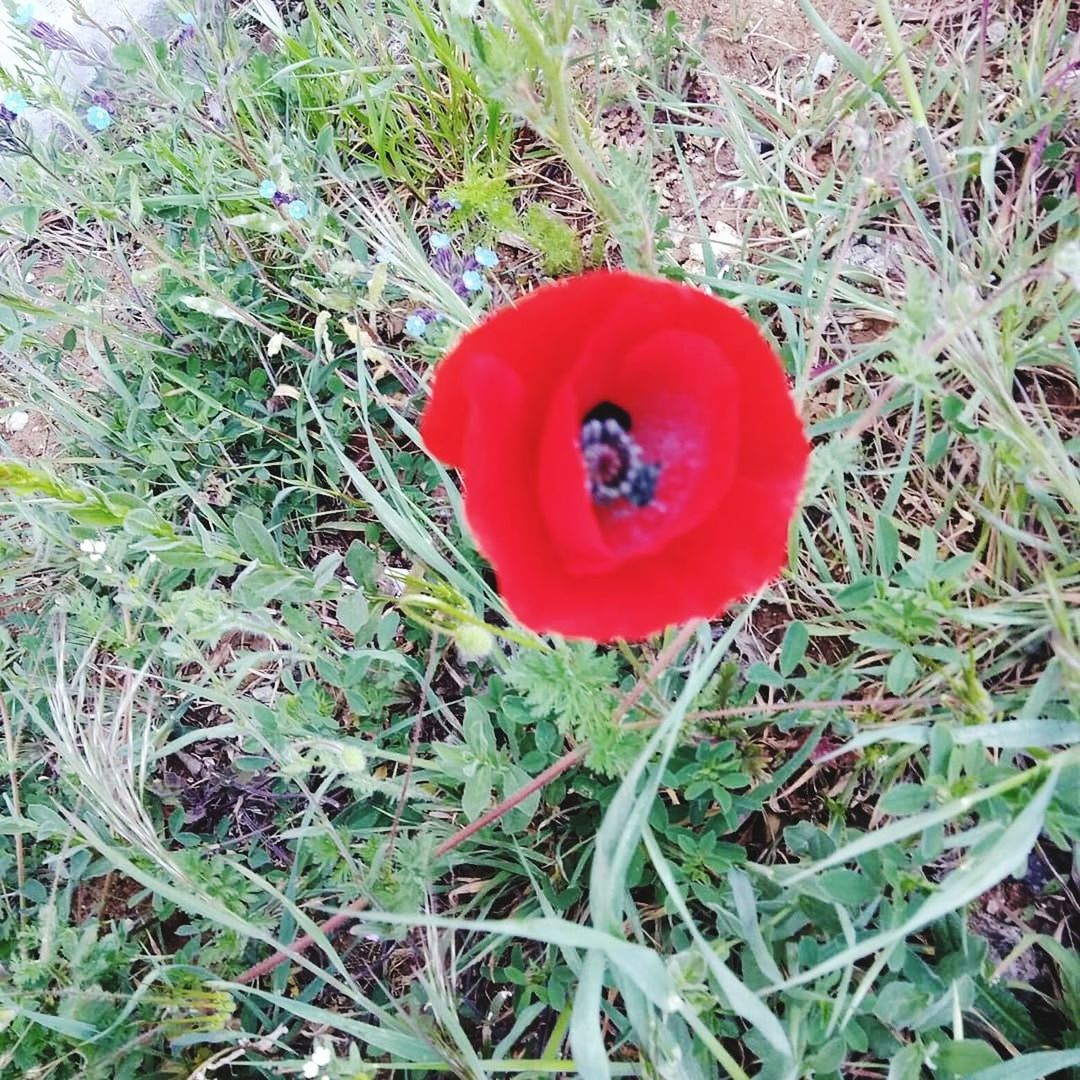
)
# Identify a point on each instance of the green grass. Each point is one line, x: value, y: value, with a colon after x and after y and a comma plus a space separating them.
x: 783, y: 844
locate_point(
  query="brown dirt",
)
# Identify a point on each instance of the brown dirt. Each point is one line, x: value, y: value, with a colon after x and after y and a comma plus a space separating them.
x: 50, y: 279
x: 759, y: 45
x: 748, y: 41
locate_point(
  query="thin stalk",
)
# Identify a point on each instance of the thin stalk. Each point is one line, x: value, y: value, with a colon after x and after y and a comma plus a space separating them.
x: 16, y: 801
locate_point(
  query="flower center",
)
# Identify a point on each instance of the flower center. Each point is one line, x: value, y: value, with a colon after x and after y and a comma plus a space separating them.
x: 614, y: 461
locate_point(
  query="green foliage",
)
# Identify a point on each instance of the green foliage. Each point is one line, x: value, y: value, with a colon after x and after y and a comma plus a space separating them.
x: 486, y: 198
x: 253, y: 673
x: 558, y: 244
x: 572, y: 687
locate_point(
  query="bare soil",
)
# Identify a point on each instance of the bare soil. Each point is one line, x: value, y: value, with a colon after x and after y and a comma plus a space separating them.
x: 749, y: 41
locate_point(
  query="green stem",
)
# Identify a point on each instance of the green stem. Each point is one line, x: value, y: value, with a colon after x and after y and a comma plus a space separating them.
x: 562, y: 131
x: 408, y: 603
x: 907, y: 76
x: 950, y: 204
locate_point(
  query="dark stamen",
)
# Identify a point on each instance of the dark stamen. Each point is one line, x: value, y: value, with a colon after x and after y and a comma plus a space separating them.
x: 607, y: 410
x: 614, y: 460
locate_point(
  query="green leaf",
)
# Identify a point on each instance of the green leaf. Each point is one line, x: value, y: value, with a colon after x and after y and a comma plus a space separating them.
x: 901, y: 672
x: 586, y: 1039
x: 962, y: 1057
x: 511, y: 779
x: 353, y: 611
x: 31, y: 216
x: 793, y: 649
x: 857, y: 593
x: 829, y: 1058
x: 899, y: 1002
x: 479, y: 734
x: 476, y: 797
x: 128, y: 57
x: 907, y: 1063
x: 886, y: 545
x: 63, y: 1025
x: 904, y: 799
x: 360, y: 561
x: 848, y: 887
x: 1030, y: 1066
x: 254, y: 539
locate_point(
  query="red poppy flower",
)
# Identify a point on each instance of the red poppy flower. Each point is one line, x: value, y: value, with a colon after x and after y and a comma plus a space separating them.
x: 630, y: 453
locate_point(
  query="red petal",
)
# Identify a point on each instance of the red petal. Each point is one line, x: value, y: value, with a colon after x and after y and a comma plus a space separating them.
x: 540, y: 338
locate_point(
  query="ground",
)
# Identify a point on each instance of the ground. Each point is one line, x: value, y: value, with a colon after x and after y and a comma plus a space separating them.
x: 274, y: 799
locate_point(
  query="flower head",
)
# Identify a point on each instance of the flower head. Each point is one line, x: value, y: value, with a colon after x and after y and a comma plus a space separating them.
x: 440, y: 204
x: 473, y: 280
x: 94, y: 549
x: 297, y: 209
x: 416, y: 325
x: 486, y: 257
x: 24, y: 14
x: 187, y: 27
x: 268, y: 189
x: 439, y: 241
x: 15, y: 103
x: 98, y: 117
x: 630, y: 453
x: 321, y: 1056
x: 52, y: 37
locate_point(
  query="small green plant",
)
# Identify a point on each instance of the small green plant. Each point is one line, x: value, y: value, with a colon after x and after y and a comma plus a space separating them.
x: 558, y: 244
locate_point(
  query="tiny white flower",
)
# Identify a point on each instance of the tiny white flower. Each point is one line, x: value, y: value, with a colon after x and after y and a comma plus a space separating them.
x: 95, y: 549
x: 311, y: 1070
x: 321, y: 1056
x: 17, y: 420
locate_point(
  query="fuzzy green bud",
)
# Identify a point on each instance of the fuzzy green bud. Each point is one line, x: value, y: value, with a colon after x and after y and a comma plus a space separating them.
x: 473, y: 642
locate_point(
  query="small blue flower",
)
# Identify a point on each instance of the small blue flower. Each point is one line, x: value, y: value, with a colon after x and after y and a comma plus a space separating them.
x: 14, y: 102
x: 98, y: 118
x: 383, y: 255
x: 268, y: 189
x: 439, y: 241
x: 472, y: 280
x: 298, y: 209
x: 486, y: 257
x: 186, y: 18
x: 416, y: 326
x: 24, y: 15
